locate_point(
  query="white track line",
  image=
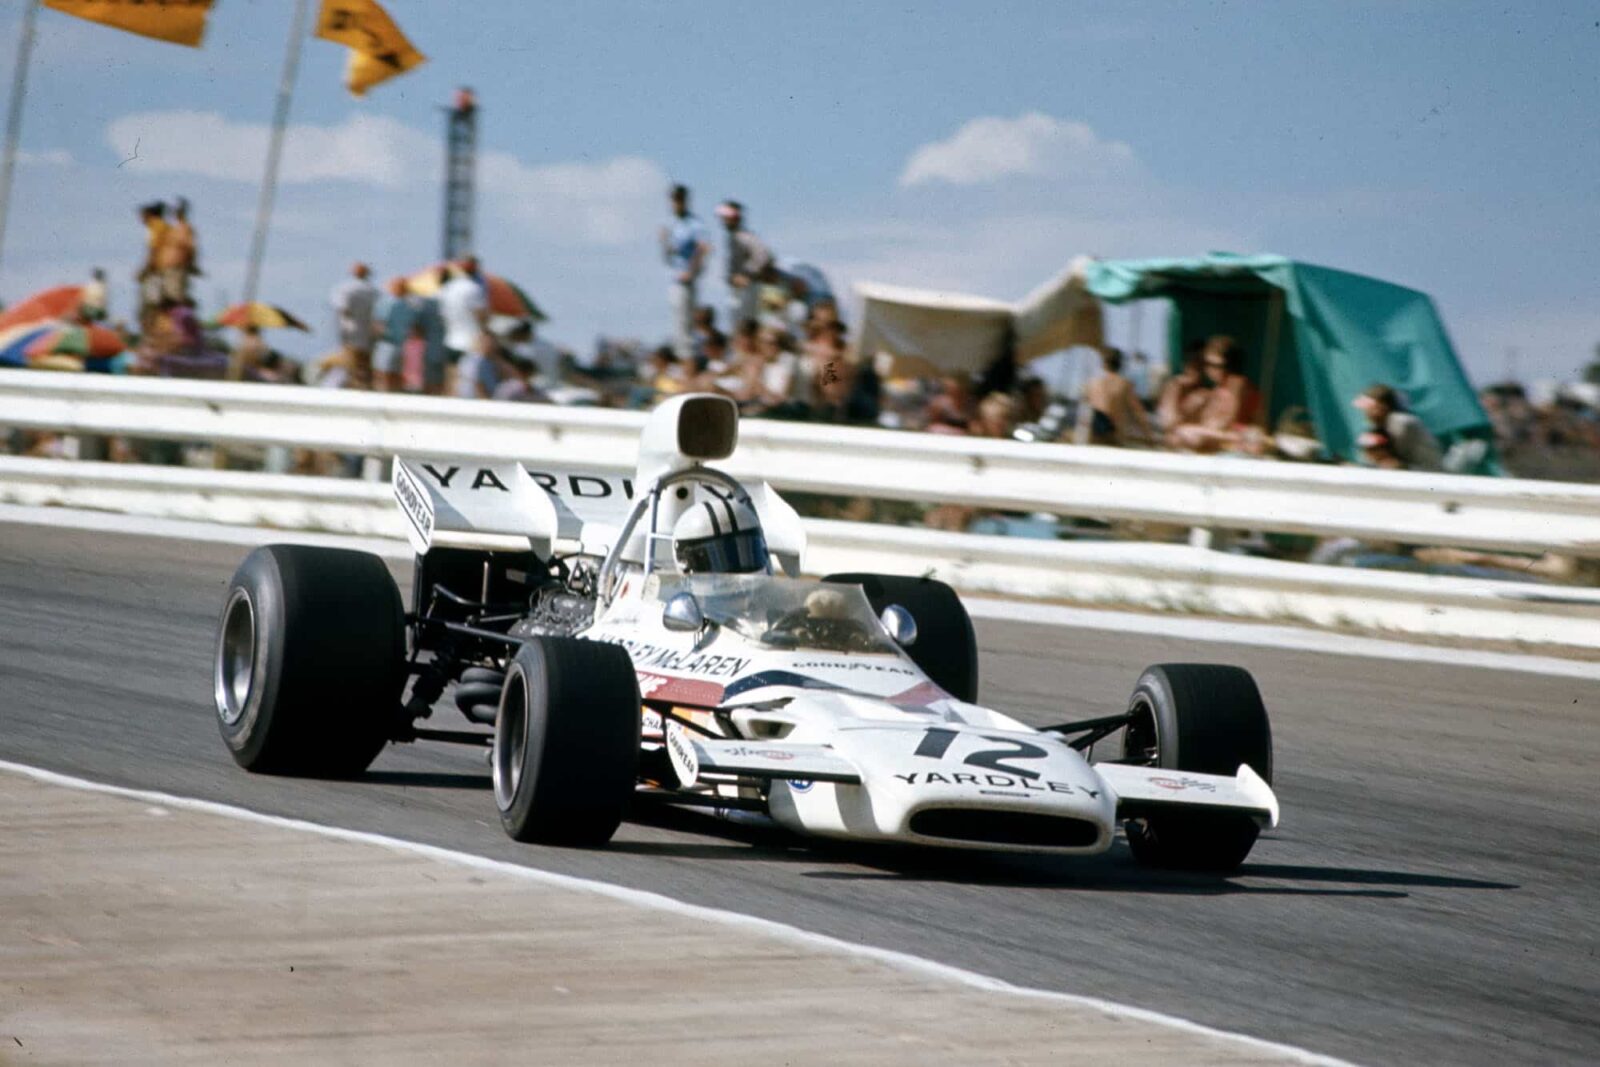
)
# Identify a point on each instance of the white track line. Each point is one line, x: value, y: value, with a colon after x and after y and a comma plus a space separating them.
x: 640, y: 898
x: 1259, y: 635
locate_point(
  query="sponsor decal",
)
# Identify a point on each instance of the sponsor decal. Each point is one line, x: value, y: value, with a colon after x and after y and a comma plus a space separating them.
x: 1176, y: 784
x: 670, y: 659
x: 586, y: 486
x: 649, y: 721
x: 742, y: 752
x: 853, y: 665
x: 414, y: 502
x: 680, y: 752
x: 800, y: 785
x: 589, y: 486
x: 993, y: 781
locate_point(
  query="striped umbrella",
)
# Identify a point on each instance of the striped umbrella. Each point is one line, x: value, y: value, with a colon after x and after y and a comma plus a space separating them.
x: 43, y: 306
x: 505, y: 296
x: 262, y: 316
x: 14, y: 342
x: 86, y: 342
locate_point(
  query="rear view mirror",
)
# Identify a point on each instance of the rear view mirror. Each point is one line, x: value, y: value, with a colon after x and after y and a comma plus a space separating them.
x: 682, y: 614
x: 901, y: 626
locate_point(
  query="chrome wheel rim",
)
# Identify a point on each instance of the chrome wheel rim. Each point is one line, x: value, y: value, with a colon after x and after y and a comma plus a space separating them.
x: 510, y: 740
x: 236, y: 657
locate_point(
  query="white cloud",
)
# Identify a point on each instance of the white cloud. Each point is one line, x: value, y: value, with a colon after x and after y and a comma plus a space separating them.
x: 605, y: 202
x: 49, y: 157
x: 609, y: 202
x: 371, y: 150
x: 1036, y: 145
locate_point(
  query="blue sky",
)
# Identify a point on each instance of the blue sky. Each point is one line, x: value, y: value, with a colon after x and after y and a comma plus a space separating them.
x: 1453, y: 147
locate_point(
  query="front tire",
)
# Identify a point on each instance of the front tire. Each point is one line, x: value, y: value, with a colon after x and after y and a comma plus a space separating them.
x: 566, y: 742
x: 310, y: 661
x: 1206, y: 718
x: 946, y: 647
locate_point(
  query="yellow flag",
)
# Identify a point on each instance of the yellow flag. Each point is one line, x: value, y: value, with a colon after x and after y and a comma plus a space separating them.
x: 178, y: 21
x: 378, y: 50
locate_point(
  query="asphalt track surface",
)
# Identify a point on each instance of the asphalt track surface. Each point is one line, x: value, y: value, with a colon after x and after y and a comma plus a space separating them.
x: 1430, y: 898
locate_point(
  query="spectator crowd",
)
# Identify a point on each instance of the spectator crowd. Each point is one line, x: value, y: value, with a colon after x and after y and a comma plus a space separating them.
x: 778, y: 346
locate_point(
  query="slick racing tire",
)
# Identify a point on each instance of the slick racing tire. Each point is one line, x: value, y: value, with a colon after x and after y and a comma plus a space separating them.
x: 946, y: 648
x: 310, y: 661
x: 566, y: 742
x: 1206, y: 718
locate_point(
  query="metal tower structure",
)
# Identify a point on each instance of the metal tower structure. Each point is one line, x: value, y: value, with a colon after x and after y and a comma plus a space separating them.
x: 460, y: 167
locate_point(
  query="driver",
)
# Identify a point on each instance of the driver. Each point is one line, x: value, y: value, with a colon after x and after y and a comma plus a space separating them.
x: 718, y: 536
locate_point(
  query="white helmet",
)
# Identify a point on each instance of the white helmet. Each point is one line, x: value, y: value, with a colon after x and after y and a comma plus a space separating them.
x: 719, y: 536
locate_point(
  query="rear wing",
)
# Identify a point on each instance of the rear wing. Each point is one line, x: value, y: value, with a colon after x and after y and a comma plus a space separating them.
x: 520, y: 506
x: 1143, y: 790
x: 508, y: 505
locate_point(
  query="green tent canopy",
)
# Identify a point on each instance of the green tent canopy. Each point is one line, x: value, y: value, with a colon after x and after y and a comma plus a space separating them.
x: 1314, y: 338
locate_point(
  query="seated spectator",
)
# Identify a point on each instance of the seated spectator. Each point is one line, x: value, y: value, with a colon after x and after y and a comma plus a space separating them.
x: 666, y: 372
x: 995, y: 417
x: 951, y: 410
x: 1407, y: 444
x: 1111, y: 408
x: 831, y: 371
x: 248, y: 355
x: 1377, y: 450
x: 713, y: 362
x: 1033, y: 398
x: 1184, y: 394
x: 186, y: 326
x: 516, y: 382
x: 1227, y: 421
x: 773, y: 384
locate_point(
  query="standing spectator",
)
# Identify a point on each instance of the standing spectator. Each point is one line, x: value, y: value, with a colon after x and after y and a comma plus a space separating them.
x: 388, y: 369
x: 355, y: 302
x: 685, y: 245
x: 154, y: 217
x: 748, y: 259
x: 92, y: 301
x: 410, y: 312
x: 1396, y: 437
x: 1111, y: 407
x: 178, y: 257
x: 464, y: 307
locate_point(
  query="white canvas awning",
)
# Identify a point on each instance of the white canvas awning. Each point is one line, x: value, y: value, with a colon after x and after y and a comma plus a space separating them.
x: 928, y: 331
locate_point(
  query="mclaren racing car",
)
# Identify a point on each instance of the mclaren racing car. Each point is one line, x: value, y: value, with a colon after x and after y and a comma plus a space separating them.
x: 617, y: 641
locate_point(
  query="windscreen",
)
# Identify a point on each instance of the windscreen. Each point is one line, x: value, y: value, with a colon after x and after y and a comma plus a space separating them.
x: 785, y: 613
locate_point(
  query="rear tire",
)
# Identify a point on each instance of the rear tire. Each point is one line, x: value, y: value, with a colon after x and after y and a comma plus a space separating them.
x: 566, y: 742
x: 310, y: 661
x: 946, y: 647
x: 1206, y: 718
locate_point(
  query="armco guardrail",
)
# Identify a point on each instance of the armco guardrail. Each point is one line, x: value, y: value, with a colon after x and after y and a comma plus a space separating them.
x: 1102, y: 483
x: 1162, y: 577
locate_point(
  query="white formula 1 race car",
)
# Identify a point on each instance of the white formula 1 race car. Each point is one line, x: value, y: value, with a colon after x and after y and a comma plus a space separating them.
x: 656, y: 646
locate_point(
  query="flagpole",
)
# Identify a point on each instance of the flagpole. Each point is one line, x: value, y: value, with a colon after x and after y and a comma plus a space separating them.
x: 19, y: 90
x: 269, y: 180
